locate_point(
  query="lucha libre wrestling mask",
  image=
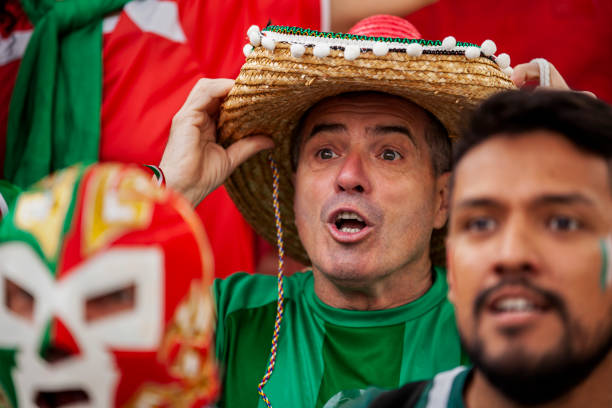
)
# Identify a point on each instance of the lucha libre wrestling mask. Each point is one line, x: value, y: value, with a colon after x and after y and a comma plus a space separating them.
x: 104, y: 295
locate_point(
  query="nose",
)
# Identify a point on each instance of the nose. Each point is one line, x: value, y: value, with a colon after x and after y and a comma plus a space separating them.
x: 352, y: 176
x: 517, y: 249
x: 58, y: 344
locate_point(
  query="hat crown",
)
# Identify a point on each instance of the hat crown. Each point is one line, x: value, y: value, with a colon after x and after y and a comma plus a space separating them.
x: 383, y: 25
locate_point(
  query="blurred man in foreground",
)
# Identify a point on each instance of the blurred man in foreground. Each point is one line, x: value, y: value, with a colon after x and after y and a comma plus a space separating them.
x: 529, y: 258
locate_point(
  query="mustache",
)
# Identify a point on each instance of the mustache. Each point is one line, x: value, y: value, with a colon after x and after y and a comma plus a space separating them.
x: 555, y: 301
x: 371, y: 212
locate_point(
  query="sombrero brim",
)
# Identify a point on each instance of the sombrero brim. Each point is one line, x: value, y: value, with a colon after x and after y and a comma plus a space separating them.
x: 275, y: 89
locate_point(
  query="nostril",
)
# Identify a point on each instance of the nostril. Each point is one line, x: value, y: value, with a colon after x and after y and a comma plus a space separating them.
x: 55, y: 354
x: 359, y: 189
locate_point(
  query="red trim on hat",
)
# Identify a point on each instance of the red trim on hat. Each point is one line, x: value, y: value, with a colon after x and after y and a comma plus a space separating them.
x: 383, y: 25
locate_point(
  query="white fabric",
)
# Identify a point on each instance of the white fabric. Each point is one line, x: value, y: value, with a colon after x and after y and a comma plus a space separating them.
x: 3, y: 207
x: 442, y: 384
x: 157, y: 16
x: 13, y: 47
x: 544, y: 71
x: 110, y: 22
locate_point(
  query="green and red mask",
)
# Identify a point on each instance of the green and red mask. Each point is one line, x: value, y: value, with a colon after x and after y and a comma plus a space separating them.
x: 104, y: 295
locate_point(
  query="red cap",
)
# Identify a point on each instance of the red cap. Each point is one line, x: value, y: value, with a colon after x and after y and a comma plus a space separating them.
x: 383, y: 25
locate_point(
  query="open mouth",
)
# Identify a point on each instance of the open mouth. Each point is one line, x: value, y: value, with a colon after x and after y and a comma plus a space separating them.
x: 516, y: 307
x: 349, y: 222
x: 63, y: 398
x: 348, y: 227
x: 517, y: 304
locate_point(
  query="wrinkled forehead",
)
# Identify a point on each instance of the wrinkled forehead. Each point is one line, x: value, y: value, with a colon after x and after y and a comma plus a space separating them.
x: 368, y: 104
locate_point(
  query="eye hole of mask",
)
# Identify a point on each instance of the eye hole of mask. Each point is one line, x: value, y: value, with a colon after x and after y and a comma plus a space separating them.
x: 18, y: 300
x: 110, y: 303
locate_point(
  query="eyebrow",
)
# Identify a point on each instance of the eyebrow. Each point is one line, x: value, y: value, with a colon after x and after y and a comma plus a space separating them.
x: 573, y: 198
x: 478, y: 202
x: 326, y: 127
x: 563, y: 199
x: 383, y: 130
x: 377, y: 130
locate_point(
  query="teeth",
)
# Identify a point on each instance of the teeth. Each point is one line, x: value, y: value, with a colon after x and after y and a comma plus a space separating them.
x: 349, y: 216
x: 515, y: 305
x: 350, y: 230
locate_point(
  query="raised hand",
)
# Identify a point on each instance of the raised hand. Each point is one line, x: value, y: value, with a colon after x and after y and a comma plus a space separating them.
x: 193, y: 163
x: 531, y: 72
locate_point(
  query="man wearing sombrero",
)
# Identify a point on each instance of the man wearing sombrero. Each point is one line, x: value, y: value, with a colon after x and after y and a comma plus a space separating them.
x: 355, y: 185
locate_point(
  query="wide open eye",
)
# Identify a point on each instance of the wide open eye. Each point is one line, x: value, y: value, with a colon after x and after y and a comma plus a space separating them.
x: 390, y: 155
x: 110, y: 303
x: 18, y: 300
x: 326, y: 154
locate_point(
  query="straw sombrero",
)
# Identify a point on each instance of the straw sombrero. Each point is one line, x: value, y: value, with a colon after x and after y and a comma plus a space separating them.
x: 289, y: 69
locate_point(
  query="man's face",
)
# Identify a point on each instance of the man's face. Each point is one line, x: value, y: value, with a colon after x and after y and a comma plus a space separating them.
x: 366, y: 198
x: 528, y: 259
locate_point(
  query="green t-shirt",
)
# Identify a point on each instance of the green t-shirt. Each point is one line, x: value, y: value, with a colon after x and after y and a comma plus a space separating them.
x: 323, y: 350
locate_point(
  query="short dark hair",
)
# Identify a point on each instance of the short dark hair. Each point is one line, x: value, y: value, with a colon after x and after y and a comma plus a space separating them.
x: 436, y: 137
x: 585, y: 121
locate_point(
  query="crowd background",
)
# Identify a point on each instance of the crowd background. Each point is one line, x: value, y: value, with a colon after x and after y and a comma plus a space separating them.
x: 154, y: 51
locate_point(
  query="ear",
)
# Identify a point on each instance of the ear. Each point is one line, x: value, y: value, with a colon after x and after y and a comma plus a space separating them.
x: 441, y: 199
x: 450, y: 271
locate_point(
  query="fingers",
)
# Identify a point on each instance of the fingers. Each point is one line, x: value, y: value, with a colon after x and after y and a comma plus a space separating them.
x: 206, y: 95
x: 241, y: 150
x: 201, y: 106
x: 524, y: 73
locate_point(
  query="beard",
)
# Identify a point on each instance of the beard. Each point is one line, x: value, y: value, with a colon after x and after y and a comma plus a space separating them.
x: 530, y: 379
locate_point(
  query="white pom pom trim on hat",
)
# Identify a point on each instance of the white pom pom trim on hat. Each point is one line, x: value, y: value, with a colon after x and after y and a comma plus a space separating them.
x: 508, y: 71
x: 503, y: 60
x: 247, y: 49
x: 353, y: 47
x: 321, y: 50
x: 488, y: 48
x: 254, y: 38
x: 449, y: 43
x: 268, y: 43
x: 472, y: 52
x: 380, y: 49
x: 414, y: 49
x: 351, y: 52
x: 254, y: 29
x: 297, y: 50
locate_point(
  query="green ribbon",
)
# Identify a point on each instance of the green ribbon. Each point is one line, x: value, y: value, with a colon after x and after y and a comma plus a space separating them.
x: 54, y: 114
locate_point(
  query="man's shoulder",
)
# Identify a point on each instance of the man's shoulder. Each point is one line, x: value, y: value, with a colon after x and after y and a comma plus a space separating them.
x: 444, y: 390
x: 405, y: 397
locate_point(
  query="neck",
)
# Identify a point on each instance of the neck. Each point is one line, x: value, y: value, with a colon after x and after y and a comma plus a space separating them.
x: 594, y: 391
x: 391, y: 290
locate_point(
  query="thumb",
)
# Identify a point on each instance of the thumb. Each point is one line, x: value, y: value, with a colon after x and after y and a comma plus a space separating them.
x: 523, y: 73
x: 241, y: 150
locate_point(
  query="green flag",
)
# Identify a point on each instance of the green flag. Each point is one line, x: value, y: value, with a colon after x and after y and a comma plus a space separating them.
x: 54, y: 114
